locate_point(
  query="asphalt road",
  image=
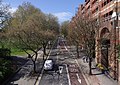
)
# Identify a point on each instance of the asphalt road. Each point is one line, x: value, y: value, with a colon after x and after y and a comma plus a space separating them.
x: 52, y: 77
x: 71, y: 74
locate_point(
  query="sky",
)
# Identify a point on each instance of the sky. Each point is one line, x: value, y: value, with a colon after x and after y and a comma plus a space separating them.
x: 63, y: 9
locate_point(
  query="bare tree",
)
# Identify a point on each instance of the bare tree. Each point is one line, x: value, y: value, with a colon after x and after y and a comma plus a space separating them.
x: 4, y: 17
x: 4, y: 14
x: 64, y: 28
x: 28, y: 30
x: 83, y: 34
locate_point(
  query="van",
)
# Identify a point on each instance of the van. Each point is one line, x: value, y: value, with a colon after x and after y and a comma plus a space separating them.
x: 48, y: 65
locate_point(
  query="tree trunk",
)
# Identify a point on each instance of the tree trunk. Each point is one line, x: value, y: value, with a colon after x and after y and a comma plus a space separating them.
x: 34, y: 66
x: 90, y: 64
x: 36, y: 55
x: 34, y: 61
x: 77, y: 50
x: 44, y: 51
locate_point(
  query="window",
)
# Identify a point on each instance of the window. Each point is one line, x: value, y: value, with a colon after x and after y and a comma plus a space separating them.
x: 106, y: 2
x: 96, y: 9
x: 88, y: 7
x: 110, y: 13
x: 111, y: 0
x: 107, y: 14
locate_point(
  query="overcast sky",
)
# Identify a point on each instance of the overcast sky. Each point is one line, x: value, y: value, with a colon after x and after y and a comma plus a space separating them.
x: 63, y: 9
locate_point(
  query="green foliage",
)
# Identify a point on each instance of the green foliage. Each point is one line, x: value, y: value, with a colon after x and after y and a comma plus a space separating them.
x: 4, y: 52
x: 52, y: 23
x: 64, y: 28
x: 4, y: 14
x: 30, y: 29
x: 5, y: 69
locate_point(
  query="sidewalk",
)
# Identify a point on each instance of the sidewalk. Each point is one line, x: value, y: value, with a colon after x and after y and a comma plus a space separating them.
x: 97, y: 78
x: 25, y: 76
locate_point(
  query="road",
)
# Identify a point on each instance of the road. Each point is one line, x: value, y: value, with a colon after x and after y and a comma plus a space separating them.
x: 63, y: 56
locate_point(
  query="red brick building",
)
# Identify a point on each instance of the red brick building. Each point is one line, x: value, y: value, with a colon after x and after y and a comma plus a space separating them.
x: 107, y: 14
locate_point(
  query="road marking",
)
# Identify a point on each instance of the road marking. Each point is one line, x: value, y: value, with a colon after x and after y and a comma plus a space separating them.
x: 65, y: 47
x: 60, y: 69
x: 68, y: 50
x: 87, y: 81
x: 78, y: 78
x: 68, y: 75
x: 38, y: 81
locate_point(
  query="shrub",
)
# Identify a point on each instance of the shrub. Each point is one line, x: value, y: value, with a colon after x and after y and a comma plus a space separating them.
x: 5, y: 69
x: 4, y: 52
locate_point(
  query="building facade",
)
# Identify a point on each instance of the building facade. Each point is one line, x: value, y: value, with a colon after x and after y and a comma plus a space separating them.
x: 107, y: 14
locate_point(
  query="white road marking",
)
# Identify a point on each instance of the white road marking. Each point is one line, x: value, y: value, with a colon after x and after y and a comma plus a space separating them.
x: 79, y: 67
x: 60, y: 69
x: 78, y: 78
x: 69, y: 51
x: 65, y: 47
x: 82, y: 73
x: 68, y: 75
x: 38, y: 81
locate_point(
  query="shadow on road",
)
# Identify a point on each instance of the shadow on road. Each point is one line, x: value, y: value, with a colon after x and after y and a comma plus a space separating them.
x: 24, y: 70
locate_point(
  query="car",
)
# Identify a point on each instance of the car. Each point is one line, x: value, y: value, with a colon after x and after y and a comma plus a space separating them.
x: 48, y: 65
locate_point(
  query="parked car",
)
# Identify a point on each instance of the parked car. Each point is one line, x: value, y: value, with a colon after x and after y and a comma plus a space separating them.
x: 48, y: 65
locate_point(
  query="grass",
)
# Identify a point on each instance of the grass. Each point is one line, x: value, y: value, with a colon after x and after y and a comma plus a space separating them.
x: 17, y: 52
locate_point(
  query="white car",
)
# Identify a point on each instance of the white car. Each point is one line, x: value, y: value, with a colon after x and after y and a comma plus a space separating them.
x: 48, y: 65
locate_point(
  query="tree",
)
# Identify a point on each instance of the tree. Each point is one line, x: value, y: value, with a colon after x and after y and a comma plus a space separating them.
x: 4, y: 17
x: 52, y: 22
x: 74, y: 38
x: 4, y: 14
x: 83, y: 34
x: 29, y: 30
x: 64, y: 28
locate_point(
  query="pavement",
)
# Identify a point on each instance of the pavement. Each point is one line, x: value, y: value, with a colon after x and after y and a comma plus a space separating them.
x: 25, y: 75
x: 97, y: 78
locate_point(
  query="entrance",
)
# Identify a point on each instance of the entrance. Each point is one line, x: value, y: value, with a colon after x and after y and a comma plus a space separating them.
x: 104, y: 52
x: 105, y: 44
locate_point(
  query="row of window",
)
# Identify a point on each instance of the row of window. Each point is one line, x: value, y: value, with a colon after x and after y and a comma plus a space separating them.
x: 107, y: 14
x: 103, y: 4
x: 96, y: 9
x: 106, y: 2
